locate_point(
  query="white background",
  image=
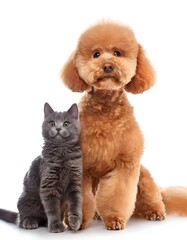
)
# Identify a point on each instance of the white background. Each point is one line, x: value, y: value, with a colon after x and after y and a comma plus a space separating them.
x: 36, y: 39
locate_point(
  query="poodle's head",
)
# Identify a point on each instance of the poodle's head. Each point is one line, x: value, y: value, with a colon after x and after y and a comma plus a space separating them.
x: 108, y: 57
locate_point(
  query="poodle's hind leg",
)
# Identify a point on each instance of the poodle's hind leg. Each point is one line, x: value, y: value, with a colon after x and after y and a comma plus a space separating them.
x: 88, y: 207
x: 149, y: 204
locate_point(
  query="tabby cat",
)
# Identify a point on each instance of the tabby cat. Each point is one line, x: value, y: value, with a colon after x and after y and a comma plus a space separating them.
x: 53, y: 183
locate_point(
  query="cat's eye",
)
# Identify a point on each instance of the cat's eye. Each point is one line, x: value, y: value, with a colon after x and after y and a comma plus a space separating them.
x: 96, y: 54
x: 66, y: 124
x: 117, y: 53
x: 51, y: 123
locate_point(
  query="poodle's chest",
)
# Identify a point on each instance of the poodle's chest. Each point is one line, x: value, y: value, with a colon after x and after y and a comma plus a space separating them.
x: 109, y: 141
x: 102, y: 134
x: 101, y: 144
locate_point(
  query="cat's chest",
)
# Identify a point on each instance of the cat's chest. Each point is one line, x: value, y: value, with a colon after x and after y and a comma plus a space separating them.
x: 55, y: 176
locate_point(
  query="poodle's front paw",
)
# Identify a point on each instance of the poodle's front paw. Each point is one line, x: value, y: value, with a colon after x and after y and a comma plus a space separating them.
x: 154, y: 215
x: 115, y: 223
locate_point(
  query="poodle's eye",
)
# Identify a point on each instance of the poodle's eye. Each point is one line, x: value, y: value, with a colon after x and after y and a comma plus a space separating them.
x: 96, y: 54
x: 51, y: 123
x: 117, y: 53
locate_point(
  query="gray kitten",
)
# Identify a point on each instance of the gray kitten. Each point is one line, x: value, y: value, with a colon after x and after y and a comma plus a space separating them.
x: 54, y: 181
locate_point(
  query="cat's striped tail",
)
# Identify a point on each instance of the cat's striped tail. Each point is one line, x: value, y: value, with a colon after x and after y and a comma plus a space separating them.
x: 8, y: 216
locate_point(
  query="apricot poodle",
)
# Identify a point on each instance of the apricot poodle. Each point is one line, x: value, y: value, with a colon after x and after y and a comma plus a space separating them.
x: 107, y: 62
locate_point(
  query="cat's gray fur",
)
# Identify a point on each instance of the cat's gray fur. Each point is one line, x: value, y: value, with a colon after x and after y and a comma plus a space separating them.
x: 54, y: 181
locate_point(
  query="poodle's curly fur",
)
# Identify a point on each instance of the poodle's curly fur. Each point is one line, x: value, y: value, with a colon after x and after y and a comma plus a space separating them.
x: 107, y: 62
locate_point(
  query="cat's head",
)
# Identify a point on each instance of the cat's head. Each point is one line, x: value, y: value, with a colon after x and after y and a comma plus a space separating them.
x: 61, y: 127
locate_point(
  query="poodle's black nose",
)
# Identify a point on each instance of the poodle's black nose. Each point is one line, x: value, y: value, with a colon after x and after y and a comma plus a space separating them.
x: 108, y: 67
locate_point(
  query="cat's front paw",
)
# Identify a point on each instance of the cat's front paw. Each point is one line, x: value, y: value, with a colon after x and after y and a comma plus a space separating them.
x: 56, y: 227
x: 29, y: 223
x: 74, y: 222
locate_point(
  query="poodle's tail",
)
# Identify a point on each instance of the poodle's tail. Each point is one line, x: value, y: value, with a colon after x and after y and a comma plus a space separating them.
x: 175, y: 200
x: 8, y: 216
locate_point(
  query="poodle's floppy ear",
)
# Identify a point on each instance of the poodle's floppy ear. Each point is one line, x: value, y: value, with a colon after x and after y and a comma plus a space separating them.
x: 144, y: 77
x: 70, y: 76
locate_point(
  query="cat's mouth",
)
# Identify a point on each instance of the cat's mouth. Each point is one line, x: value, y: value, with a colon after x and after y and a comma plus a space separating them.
x: 61, y: 135
x: 58, y: 135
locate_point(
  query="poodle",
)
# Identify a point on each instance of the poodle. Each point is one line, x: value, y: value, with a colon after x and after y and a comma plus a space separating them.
x: 107, y: 63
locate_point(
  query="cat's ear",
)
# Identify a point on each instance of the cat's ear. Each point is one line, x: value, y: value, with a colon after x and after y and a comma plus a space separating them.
x: 47, y: 109
x: 73, y: 111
